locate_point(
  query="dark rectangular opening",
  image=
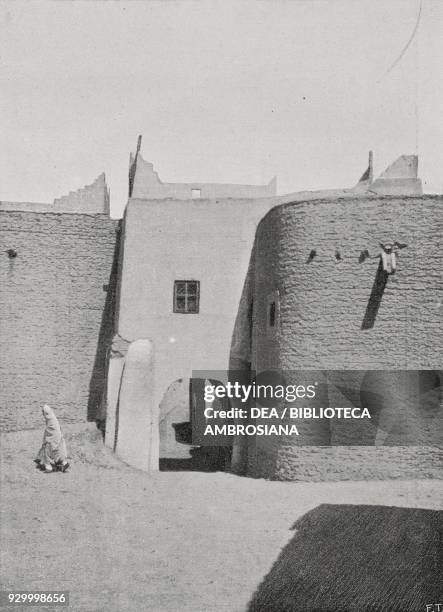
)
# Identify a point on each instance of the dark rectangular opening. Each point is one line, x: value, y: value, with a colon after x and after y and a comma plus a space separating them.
x: 186, y: 296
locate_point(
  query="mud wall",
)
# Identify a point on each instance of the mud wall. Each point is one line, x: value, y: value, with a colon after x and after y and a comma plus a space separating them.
x: 56, y: 305
x: 335, y: 309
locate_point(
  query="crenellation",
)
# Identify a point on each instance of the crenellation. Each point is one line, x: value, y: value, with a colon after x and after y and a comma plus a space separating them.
x: 90, y: 200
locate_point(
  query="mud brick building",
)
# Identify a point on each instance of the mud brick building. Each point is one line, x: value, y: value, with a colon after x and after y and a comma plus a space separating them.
x: 204, y: 276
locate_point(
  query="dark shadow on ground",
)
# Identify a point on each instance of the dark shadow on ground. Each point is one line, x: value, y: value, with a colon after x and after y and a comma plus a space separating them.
x: 347, y: 558
x: 202, y: 459
x: 96, y: 411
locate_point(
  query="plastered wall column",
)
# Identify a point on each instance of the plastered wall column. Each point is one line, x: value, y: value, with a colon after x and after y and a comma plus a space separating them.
x: 115, y: 371
x: 137, y: 414
x: 116, y: 362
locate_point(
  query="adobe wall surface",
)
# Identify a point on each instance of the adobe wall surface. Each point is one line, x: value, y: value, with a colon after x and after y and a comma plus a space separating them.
x: 335, y: 313
x: 324, y: 301
x: 56, y: 306
x: 399, y: 178
x: 170, y: 240
x: 89, y: 200
x: 147, y: 184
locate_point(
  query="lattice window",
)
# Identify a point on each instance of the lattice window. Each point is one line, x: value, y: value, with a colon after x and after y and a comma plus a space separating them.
x: 186, y: 296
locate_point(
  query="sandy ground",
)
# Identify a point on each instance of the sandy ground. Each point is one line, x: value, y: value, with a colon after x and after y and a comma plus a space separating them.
x: 121, y: 540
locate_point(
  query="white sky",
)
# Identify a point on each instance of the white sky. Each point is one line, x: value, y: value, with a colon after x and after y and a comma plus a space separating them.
x: 221, y: 91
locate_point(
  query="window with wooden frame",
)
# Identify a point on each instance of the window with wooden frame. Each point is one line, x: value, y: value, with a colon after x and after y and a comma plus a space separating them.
x: 186, y: 296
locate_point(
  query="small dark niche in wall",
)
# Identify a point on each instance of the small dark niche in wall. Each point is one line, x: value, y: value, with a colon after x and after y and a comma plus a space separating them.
x: 12, y: 253
x: 311, y: 255
x: 272, y: 314
x: 363, y: 256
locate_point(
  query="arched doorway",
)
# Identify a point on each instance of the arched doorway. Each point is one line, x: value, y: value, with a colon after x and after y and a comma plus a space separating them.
x: 180, y: 414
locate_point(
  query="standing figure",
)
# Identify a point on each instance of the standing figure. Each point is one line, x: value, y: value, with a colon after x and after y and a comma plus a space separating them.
x: 53, y: 455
